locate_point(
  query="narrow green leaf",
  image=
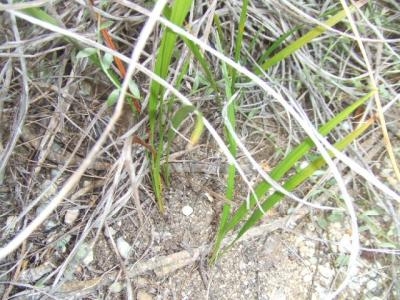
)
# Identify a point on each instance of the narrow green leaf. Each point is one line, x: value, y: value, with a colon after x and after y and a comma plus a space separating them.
x: 226, y: 211
x: 113, y: 97
x: 275, y: 45
x: 203, y: 62
x: 86, y: 52
x: 197, y: 131
x: 323, y: 223
x: 177, y: 120
x: 106, y: 25
x: 157, y: 184
x: 231, y: 171
x: 308, y: 37
x: 336, y: 217
x: 40, y: 14
x: 107, y: 60
x: 239, y: 41
x: 177, y: 14
x: 105, y: 63
x: 134, y: 89
x: 220, y: 32
x: 388, y: 245
x: 167, y: 12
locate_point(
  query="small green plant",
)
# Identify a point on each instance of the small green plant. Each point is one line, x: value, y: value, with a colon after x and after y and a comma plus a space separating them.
x: 97, y: 58
x: 230, y: 77
x: 157, y: 114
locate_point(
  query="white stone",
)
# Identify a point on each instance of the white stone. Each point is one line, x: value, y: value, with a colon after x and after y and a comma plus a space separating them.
x: 89, y: 257
x: 70, y: 216
x: 123, y: 247
x: 187, y: 210
x: 345, y: 244
x: 116, y: 287
x: 209, y: 197
x: 142, y: 295
x: 346, y: 126
x: 371, y: 285
x: 313, y: 261
x: 304, y: 164
x: 54, y: 173
x: 311, y: 227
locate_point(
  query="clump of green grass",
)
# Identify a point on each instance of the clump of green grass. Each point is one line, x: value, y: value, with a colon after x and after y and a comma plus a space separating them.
x: 229, y: 222
x: 157, y: 114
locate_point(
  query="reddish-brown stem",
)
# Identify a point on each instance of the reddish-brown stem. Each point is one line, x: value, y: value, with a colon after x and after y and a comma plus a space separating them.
x: 120, y: 65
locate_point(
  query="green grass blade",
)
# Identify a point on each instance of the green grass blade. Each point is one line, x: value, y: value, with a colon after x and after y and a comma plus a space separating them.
x: 240, y: 33
x: 308, y: 37
x: 203, y: 62
x: 105, y: 66
x: 295, y: 155
x: 177, y: 14
x: 171, y: 135
x: 299, y: 178
x: 230, y: 184
x: 239, y: 40
x: 231, y: 111
x: 44, y: 16
x: 197, y: 130
x: 275, y: 46
x: 41, y: 15
x: 176, y: 122
x: 224, y: 218
x: 220, y: 33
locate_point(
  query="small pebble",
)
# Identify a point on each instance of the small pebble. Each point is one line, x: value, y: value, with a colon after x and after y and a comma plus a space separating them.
x: 142, y: 295
x: 116, y: 287
x: 70, y: 216
x: 123, y: 247
x: 187, y: 210
x: 311, y: 227
x: 54, y: 173
x: 371, y: 285
x: 313, y: 260
x: 141, y: 282
x: 345, y: 244
x: 88, y: 258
